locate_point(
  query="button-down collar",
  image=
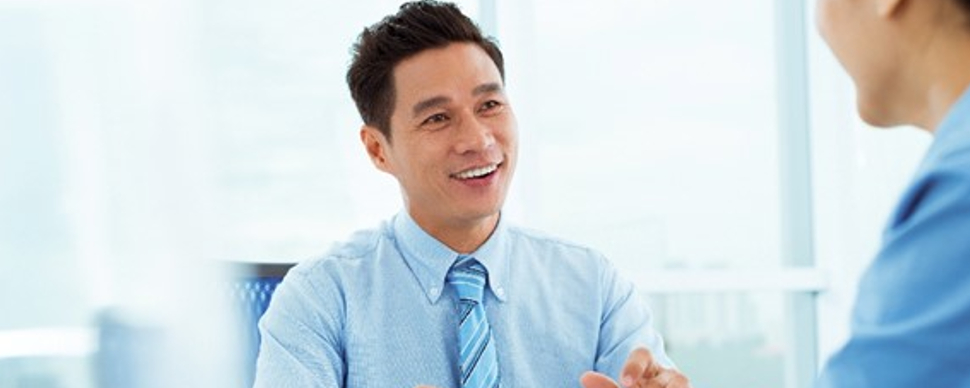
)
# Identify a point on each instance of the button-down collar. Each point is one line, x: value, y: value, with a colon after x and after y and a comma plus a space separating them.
x: 430, y: 259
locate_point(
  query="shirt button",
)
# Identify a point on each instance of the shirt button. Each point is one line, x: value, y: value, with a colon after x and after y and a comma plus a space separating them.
x: 434, y: 290
x: 500, y: 292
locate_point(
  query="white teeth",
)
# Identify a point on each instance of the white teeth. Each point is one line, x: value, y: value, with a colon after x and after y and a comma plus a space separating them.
x: 476, y: 172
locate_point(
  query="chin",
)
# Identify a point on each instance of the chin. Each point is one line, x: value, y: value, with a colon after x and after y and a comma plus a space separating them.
x: 871, y: 114
x: 871, y: 119
x: 879, y: 121
x: 484, y: 212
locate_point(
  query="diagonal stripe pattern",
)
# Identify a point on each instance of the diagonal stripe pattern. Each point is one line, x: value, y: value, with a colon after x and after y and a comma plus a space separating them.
x: 476, y: 350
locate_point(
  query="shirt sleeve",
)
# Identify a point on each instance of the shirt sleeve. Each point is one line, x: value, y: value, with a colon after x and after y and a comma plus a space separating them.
x: 626, y: 324
x: 911, y: 318
x: 300, y: 336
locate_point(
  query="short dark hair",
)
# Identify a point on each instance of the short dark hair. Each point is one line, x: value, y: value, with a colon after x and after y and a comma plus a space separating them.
x: 417, y: 26
x: 965, y: 4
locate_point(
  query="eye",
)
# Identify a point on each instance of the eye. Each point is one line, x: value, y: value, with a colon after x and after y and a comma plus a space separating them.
x: 490, y: 105
x: 435, y: 119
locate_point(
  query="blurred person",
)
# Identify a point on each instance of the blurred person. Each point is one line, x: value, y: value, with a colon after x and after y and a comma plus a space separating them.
x: 910, y: 62
x: 446, y: 292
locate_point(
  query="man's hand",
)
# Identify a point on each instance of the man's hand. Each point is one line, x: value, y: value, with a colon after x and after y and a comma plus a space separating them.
x: 640, y: 371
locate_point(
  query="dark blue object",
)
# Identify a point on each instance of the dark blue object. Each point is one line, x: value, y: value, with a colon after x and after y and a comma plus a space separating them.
x: 251, y: 295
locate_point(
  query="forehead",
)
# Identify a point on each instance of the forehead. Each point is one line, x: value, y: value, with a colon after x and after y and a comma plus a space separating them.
x: 453, y: 71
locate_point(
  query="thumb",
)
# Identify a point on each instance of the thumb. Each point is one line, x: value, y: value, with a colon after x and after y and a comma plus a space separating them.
x: 597, y: 380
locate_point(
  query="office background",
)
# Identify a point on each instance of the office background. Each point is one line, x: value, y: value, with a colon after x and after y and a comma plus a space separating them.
x: 709, y: 148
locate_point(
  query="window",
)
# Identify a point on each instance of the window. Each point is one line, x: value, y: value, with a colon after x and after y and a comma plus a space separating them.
x: 708, y: 148
x: 673, y: 137
x: 638, y: 141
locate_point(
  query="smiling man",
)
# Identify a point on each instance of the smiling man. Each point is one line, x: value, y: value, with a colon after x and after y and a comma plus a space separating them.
x: 447, y: 293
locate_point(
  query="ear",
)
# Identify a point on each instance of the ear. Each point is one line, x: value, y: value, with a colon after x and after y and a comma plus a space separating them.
x: 889, y: 8
x: 376, y: 145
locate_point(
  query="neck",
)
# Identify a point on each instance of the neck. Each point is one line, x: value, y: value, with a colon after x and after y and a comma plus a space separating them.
x: 950, y: 78
x: 464, y: 236
x: 939, y: 100
x: 943, y: 74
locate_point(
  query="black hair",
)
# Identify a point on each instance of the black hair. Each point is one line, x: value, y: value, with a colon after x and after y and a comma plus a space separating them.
x: 417, y: 26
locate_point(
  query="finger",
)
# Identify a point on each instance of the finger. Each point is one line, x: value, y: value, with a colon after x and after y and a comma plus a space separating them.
x: 658, y: 381
x: 677, y: 380
x: 639, y: 364
x: 668, y: 378
x: 597, y: 380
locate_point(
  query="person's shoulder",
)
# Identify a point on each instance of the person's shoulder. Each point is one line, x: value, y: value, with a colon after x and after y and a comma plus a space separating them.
x: 360, y: 248
x: 320, y: 286
x: 952, y: 147
x: 947, y: 165
x: 957, y: 159
x: 559, y: 258
x: 546, y: 241
x: 940, y: 185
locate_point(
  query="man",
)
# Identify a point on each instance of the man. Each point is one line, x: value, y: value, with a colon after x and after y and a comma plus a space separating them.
x: 446, y: 293
x: 910, y: 62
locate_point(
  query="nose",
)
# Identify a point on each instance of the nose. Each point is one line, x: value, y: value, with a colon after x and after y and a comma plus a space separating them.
x: 474, y: 135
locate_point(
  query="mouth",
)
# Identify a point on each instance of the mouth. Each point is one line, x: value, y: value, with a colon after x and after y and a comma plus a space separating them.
x: 477, y: 172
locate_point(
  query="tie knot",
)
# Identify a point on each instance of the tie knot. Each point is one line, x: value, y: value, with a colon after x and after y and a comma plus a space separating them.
x: 467, y: 276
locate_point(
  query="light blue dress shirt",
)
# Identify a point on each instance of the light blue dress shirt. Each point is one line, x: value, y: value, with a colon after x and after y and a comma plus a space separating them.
x: 376, y: 312
x: 911, y: 324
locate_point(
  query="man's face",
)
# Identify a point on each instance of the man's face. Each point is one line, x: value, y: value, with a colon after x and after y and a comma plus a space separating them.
x: 859, y: 34
x: 453, y: 136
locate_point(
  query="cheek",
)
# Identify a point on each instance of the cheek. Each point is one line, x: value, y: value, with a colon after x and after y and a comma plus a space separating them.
x: 405, y: 163
x: 825, y: 18
x: 843, y: 30
x: 508, y: 132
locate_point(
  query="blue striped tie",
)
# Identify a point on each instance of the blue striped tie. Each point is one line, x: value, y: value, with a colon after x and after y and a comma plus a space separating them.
x: 478, y: 363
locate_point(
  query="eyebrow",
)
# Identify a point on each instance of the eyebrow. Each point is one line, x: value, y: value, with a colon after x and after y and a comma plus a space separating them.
x: 491, y: 87
x: 432, y: 102
x: 428, y: 104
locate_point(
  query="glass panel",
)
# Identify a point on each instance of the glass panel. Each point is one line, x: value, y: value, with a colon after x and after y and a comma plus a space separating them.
x: 730, y: 340
x: 650, y: 127
x: 49, y: 372
x: 289, y: 172
x: 141, y: 138
x: 160, y: 132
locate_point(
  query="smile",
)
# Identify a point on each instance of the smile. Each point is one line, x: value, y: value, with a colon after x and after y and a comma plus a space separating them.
x: 476, y: 172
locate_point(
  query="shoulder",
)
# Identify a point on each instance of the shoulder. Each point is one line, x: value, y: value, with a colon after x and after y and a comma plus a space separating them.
x: 950, y: 152
x: 344, y: 258
x: 546, y: 241
x: 942, y: 184
x: 554, y: 253
x: 952, y: 149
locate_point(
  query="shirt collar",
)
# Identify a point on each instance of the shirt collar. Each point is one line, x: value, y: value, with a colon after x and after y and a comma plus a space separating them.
x: 956, y: 120
x: 430, y: 260
x: 947, y: 133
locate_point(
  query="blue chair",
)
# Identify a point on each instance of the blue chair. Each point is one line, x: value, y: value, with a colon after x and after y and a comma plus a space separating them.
x: 251, y: 292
